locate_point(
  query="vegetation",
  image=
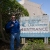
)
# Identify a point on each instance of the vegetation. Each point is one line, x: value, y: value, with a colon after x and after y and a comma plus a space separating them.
x: 12, y: 6
x: 37, y: 44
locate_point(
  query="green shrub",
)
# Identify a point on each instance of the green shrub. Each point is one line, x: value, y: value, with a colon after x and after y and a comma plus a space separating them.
x: 0, y: 35
x: 35, y: 45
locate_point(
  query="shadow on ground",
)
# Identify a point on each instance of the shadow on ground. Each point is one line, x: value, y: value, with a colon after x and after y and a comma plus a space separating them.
x: 6, y: 46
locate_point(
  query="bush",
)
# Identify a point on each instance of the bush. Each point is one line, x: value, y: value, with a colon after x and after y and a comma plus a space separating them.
x: 0, y: 35
x: 49, y: 41
x: 38, y: 45
x: 35, y: 45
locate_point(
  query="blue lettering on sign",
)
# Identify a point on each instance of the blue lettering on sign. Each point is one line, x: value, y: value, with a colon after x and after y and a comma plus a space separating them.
x: 32, y: 23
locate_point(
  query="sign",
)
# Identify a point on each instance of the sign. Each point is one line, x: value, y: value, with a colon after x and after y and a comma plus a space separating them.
x: 37, y: 24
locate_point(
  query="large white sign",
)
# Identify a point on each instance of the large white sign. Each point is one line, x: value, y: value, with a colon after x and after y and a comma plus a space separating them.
x: 37, y: 24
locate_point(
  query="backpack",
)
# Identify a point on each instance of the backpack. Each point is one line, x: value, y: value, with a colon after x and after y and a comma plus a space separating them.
x: 7, y: 30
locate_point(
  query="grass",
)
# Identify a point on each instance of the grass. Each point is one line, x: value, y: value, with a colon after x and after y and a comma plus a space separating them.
x: 36, y: 45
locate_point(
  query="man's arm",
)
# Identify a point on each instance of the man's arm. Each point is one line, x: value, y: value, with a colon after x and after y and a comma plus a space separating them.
x: 8, y: 25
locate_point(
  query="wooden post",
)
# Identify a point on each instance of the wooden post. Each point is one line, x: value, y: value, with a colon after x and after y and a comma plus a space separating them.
x: 46, y: 40
x: 23, y: 40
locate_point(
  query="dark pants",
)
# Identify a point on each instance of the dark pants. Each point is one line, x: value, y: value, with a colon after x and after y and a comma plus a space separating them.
x: 13, y: 36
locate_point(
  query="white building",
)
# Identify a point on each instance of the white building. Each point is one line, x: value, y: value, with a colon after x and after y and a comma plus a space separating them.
x: 34, y: 9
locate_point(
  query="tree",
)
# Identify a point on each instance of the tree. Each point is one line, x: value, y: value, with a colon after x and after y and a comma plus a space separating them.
x: 6, y: 8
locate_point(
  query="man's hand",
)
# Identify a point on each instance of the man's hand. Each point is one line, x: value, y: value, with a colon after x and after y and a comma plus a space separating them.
x: 12, y: 25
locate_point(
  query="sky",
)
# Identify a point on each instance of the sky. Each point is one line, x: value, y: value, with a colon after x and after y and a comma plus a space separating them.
x: 45, y: 5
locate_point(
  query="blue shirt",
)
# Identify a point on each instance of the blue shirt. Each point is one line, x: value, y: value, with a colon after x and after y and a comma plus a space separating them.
x: 15, y: 28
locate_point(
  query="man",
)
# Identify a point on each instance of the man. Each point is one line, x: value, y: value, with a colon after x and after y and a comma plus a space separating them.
x: 14, y: 27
